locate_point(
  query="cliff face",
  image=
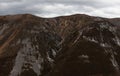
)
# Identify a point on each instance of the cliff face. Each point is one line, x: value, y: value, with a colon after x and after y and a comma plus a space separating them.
x: 76, y: 45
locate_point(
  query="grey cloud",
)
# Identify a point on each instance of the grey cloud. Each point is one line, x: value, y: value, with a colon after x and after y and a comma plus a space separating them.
x: 51, y: 8
x: 2, y: 1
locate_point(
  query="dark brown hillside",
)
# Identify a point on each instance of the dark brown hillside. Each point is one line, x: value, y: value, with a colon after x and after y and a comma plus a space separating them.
x: 76, y: 45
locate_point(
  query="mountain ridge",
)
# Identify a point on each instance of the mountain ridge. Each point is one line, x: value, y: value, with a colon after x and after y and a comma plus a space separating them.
x: 75, y: 45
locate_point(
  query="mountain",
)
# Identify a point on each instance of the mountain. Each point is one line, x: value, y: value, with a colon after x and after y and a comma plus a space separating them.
x: 76, y: 45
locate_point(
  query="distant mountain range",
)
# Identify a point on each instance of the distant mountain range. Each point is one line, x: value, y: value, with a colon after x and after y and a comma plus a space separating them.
x: 76, y: 45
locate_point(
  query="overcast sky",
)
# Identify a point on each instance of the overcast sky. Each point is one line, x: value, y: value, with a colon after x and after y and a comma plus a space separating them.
x: 53, y: 8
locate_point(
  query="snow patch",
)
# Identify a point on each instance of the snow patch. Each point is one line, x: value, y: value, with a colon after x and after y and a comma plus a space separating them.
x: 53, y: 52
x: 49, y: 59
x: 85, y: 58
x: 90, y: 39
x: 105, y: 45
x: 114, y: 62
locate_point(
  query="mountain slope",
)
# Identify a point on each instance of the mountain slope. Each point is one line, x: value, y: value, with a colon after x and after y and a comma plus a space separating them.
x: 76, y: 45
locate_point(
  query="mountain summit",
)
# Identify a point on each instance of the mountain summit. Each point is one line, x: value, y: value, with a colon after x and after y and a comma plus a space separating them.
x: 76, y: 45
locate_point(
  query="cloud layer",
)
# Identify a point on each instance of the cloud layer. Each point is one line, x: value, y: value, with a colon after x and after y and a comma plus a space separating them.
x: 53, y: 8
